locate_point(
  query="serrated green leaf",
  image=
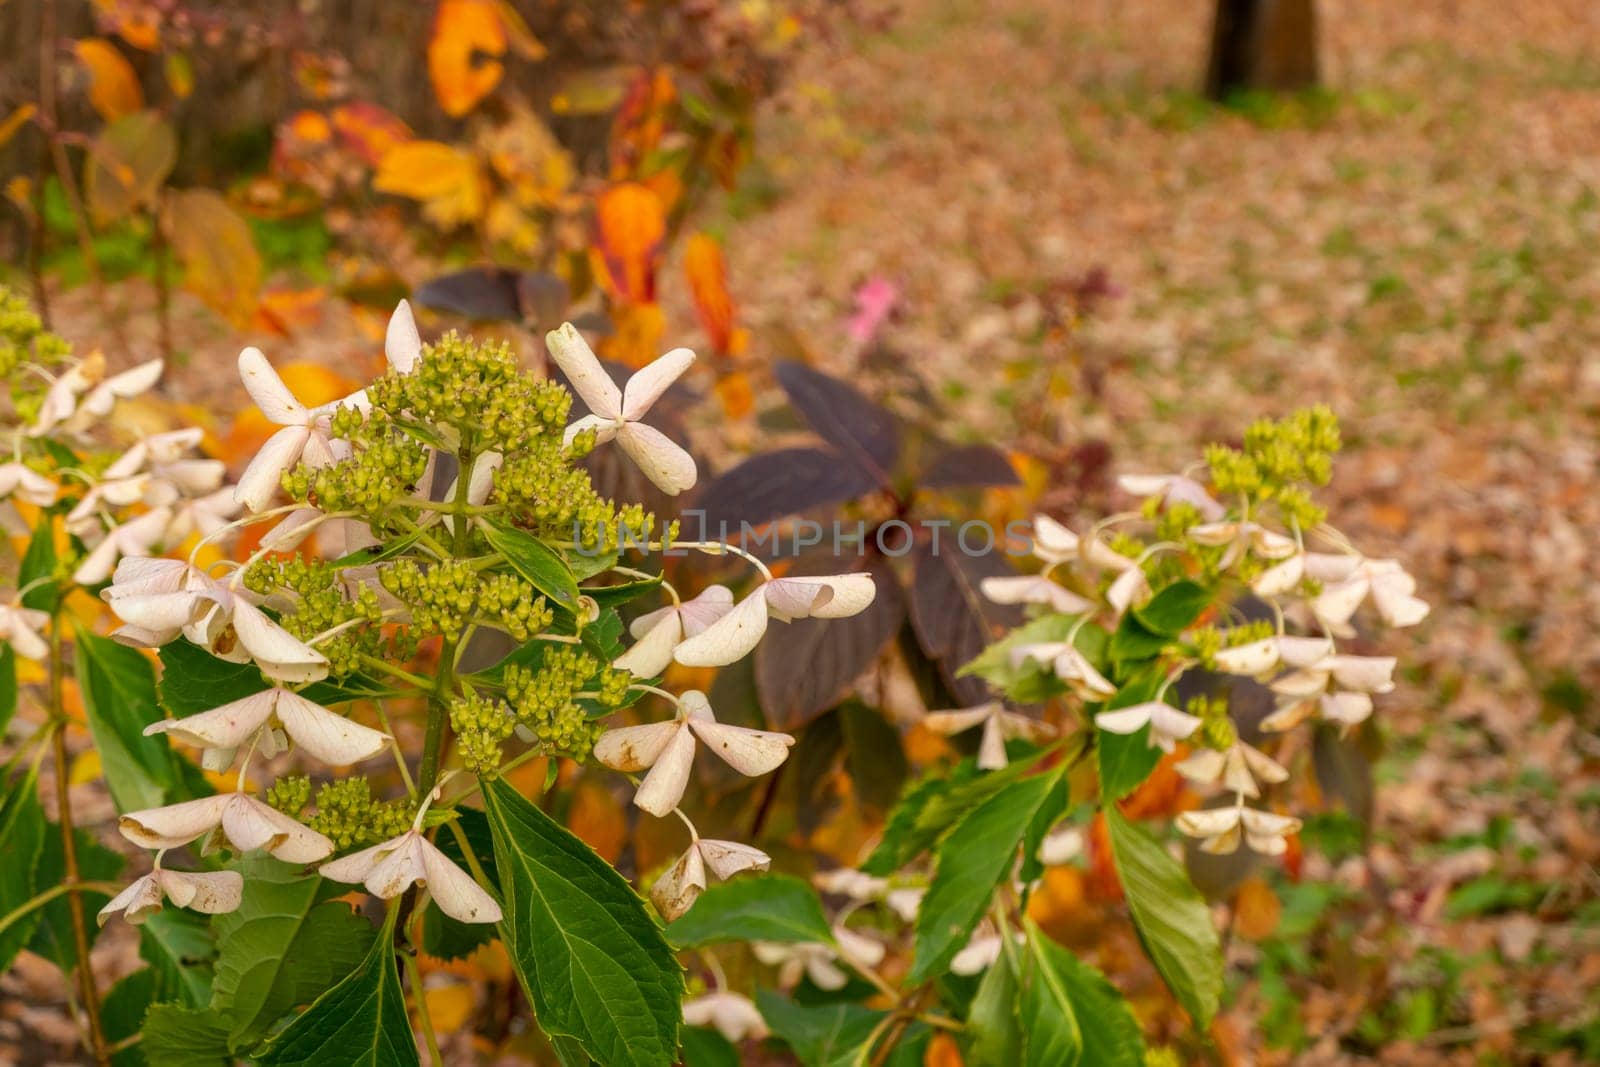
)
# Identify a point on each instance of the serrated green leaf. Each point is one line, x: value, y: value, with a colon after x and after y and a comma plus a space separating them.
x: 1172, y: 918
x: 177, y: 945
x: 771, y: 907
x: 1126, y: 760
x: 96, y: 863
x: 284, y: 945
x: 590, y: 956
x: 1175, y: 608
x: 823, y: 1035
x: 935, y: 805
x: 361, y: 1022
x: 977, y: 855
x: 541, y: 565
x: 22, y: 829
x: 176, y: 1036
x: 993, y: 1027
x: 1050, y: 1033
x: 119, y: 698
x: 1108, y: 1032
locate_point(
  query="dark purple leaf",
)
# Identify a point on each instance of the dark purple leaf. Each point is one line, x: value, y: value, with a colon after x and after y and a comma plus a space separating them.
x: 806, y: 666
x: 483, y: 293
x: 953, y: 620
x: 543, y: 298
x: 775, y: 484
x: 966, y: 466
x: 842, y: 417
x: 1344, y: 771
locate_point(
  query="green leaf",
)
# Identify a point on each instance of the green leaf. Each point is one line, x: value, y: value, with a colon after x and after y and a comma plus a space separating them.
x: 540, y: 564
x: 284, y: 945
x: 39, y: 561
x: 772, y: 907
x: 585, y: 565
x: 928, y: 812
x: 707, y: 1048
x: 96, y: 863
x: 1051, y: 1037
x: 22, y: 829
x: 119, y: 697
x: 1126, y: 760
x: 1133, y: 642
x: 1109, y: 1033
x: 361, y: 1022
x: 824, y: 1035
x: 590, y: 956
x: 193, y: 680
x: 1175, y: 608
x: 450, y: 939
x: 1172, y: 918
x: 992, y: 1023
x: 176, y: 1036
x: 610, y: 596
x: 8, y: 686
x: 122, y: 1012
x: 177, y: 944
x: 975, y: 857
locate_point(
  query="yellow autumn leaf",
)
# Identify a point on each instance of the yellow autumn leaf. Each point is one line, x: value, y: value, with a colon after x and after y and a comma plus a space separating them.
x: 15, y: 121
x: 630, y: 225
x: 85, y: 768
x: 128, y: 161
x: 446, y: 180
x: 449, y: 1006
x: 467, y: 35
x: 218, y: 253
x: 113, y: 86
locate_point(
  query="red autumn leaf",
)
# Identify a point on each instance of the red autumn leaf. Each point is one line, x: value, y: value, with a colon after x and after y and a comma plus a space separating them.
x: 707, y: 271
x: 630, y: 225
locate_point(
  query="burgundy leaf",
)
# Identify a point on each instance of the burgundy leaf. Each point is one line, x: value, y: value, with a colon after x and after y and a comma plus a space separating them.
x: 953, y: 620
x: 842, y: 417
x: 1344, y: 771
x: 483, y: 293
x: 775, y: 484
x: 967, y: 466
x: 806, y: 667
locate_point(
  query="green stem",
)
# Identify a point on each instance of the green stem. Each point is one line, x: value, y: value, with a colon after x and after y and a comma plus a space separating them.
x: 69, y: 854
x: 445, y: 681
x: 420, y: 995
x: 20, y: 912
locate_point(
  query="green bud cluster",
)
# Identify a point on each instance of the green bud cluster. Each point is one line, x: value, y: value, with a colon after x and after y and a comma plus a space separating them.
x: 383, y: 467
x: 1207, y: 641
x: 350, y: 816
x: 1216, y: 729
x: 23, y: 338
x: 290, y: 794
x: 442, y: 597
x: 476, y: 391
x: 481, y: 726
x: 515, y: 604
x: 559, y: 501
x: 321, y: 604
x: 546, y: 700
x: 1278, y: 460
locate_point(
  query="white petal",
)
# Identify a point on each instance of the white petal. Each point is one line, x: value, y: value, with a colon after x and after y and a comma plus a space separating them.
x: 175, y: 824
x: 1303, y: 651
x: 454, y: 890
x: 633, y: 748
x: 652, y: 653
x: 280, y: 655
x: 734, y: 1016
x: 662, y: 459
x: 398, y: 869
x: 954, y: 722
x: 992, y: 747
x: 1262, y: 765
x: 1128, y: 720
x: 589, y: 379
x: 1266, y: 822
x: 1033, y: 589
x: 250, y: 824
x: 851, y: 593
x: 858, y: 948
x: 260, y: 481
x: 331, y: 738
x: 1366, y: 674
x: 402, y: 345
x: 358, y: 865
x: 1329, y: 567
x: 730, y: 638
x: 293, y: 530
x: 1336, y: 603
x: 677, y: 890
x: 1250, y: 660
x: 228, y: 726
x: 647, y: 384
x: 97, y: 565
x: 980, y: 952
x: 1168, y: 724
x: 1060, y: 846
x: 1214, y: 533
x: 1053, y: 541
x: 141, y: 898
x: 604, y: 429
x: 211, y: 892
x: 274, y: 399
x: 1205, y: 765
x: 1209, y: 822
x: 1346, y: 709
x: 750, y: 752
x: 1280, y: 578
x: 1131, y: 587
x: 728, y: 858
x: 663, y: 787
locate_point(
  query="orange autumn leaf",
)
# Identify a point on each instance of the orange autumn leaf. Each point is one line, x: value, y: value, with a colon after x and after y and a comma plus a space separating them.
x: 1164, y: 793
x: 467, y: 36
x: 447, y: 181
x: 135, y: 21
x: 641, y: 120
x: 637, y: 338
x: 707, y: 270
x: 284, y: 311
x: 630, y: 225
x: 113, y: 86
x: 596, y: 817
x: 368, y: 130
x: 735, y: 395
x: 1257, y: 909
x: 943, y: 1051
x: 1104, y: 882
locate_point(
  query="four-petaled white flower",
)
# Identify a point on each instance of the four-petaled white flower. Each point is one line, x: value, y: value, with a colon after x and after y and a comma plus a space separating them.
x: 666, y: 749
x: 1068, y: 664
x: 137, y: 538
x: 1236, y: 767
x: 738, y: 631
x: 1173, y: 489
x: 820, y: 962
x: 615, y: 413
x: 658, y: 633
x: 1255, y: 659
x: 19, y: 480
x: 390, y: 868
x: 246, y: 822
x: 733, y: 1015
x: 87, y: 380
x: 1338, y: 687
x: 1222, y: 828
x: 211, y: 892
x: 677, y: 890
x: 1034, y: 589
x: 999, y: 726
x: 305, y: 435
x: 1349, y: 579
x: 333, y: 739
x: 20, y: 628
x: 1167, y: 724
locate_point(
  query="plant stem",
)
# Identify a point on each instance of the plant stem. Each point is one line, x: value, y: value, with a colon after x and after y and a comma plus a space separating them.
x: 445, y: 682
x: 420, y: 995
x: 18, y: 913
x: 69, y: 854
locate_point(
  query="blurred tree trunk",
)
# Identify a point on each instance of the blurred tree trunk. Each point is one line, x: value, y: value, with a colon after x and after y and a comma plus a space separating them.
x: 1262, y: 44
